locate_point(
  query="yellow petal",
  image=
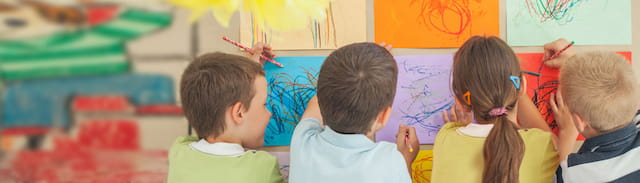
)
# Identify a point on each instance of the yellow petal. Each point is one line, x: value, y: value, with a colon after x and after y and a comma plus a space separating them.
x: 285, y: 14
x: 222, y: 15
x: 268, y: 14
x: 196, y: 14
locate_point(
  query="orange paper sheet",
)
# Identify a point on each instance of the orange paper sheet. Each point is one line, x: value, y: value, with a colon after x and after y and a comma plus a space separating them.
x: 540, y: 88
x: 434, y: 23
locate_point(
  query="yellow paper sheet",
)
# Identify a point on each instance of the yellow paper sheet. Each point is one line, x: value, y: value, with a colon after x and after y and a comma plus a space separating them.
x: 421, y: 172
x: 345, y: 23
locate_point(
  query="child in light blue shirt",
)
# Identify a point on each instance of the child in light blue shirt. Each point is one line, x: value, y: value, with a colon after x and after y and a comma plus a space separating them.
x: 356, y: 86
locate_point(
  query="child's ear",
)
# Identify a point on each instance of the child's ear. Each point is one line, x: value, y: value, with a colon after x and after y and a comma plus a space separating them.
x: 382, y: 118
x: 236, y: 113
x: 580, y: 123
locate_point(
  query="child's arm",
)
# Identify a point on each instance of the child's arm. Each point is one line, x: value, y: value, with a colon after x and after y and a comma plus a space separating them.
x: 407, y: 137
x: 313, y: 110
x: 567, y: 131
x: 528, y: 114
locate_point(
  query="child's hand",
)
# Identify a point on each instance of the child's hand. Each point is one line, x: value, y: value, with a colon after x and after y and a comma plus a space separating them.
x: 562, y: 114
x: 386, y: 46
x: 261, y: 49
x: 551, y: 48
x: 567, y: 131
x: 406, y: 140
x: 458, y: 114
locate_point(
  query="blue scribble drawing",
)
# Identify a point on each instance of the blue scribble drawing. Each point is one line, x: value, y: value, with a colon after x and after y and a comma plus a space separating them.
x: 290, y: 89
x: 422, y: 94
x: 288, y: 98
x: 426, y: 98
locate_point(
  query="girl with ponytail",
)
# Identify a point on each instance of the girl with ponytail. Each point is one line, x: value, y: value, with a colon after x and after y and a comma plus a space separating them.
x: 487, y: 83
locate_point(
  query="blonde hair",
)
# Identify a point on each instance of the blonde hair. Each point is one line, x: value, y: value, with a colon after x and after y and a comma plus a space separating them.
x: 601, y: 88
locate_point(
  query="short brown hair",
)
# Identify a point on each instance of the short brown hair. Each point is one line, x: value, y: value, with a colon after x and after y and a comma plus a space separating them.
x: 600, y: 87
x: 212, y: 83
x: 355, y: 83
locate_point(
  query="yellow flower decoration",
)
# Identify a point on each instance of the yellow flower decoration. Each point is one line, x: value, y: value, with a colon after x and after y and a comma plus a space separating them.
x: 222, y: 9
x: 276, y: 15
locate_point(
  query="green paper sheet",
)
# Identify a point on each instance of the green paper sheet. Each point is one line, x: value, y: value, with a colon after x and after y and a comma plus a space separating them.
x: 587, y: 22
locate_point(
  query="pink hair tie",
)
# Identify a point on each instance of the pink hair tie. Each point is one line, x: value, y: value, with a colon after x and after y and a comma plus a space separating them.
x: 498, y: 111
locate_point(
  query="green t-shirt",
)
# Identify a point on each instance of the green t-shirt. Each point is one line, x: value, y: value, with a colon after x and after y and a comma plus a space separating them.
x: 187, y: 165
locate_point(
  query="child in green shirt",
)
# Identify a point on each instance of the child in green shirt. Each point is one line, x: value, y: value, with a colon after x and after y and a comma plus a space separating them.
x: 223, y: 98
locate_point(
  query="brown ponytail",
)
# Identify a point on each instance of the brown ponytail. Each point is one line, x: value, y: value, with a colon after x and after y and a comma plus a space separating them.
x: 483, y: 67
x: 503, y: 152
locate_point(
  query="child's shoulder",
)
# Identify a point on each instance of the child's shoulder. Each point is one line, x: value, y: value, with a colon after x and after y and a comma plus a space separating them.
x: 386, y: 146
x: 386, y: 154
x: 538, y: 142
x: 261, y: 157
x: 535, y: 134
x: 446, y: 130
x: 182, y: 142
x: 185, y: 139
x: 387, y: 150
x: 452, y: 126
x: 260, y: 154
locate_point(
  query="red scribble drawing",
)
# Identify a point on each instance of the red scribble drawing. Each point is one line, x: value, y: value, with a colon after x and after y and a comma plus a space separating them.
x: 447, y: 16
x: 422, y: 168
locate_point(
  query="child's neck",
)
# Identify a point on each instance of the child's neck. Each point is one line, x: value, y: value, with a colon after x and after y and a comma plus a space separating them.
x: 589, y: 132
x: 223, y: 138
x: 370, y: 136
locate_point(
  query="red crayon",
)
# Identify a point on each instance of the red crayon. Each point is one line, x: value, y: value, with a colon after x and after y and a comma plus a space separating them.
x: 250, y: 51
x: 560, y: 52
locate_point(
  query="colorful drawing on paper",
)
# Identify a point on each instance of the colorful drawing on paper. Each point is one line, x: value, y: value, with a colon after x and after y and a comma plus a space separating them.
x: 540, y: 88
x: 283, y: 162
x: 434, y: 23
x: 290, y: 89
x: 560, y: 11
x: 421, y: 95
x: 422, y: 166
x: 536, y: 22
x: 345, y: 23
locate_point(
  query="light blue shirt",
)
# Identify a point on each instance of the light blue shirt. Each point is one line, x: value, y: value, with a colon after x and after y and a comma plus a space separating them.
x: 322, y: 155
